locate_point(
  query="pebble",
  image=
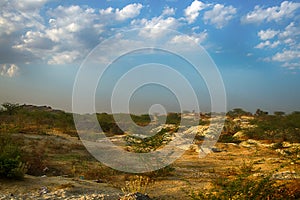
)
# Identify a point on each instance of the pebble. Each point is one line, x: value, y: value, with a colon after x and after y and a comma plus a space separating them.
x: 60, y: 194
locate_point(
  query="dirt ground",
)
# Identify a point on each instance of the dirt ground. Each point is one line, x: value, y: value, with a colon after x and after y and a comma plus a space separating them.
x: 191, y: 173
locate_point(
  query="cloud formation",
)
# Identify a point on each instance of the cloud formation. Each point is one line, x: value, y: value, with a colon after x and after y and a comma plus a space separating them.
x: 267, y: 44
x: 9, y: 70
x: 168, y: 11
x: 195, y: 38
x: 129, y: 11
x: 192, y: 11
x: 267, y: 34
x: 155, y: 27
x: 276, y: 13
x: 220, y: 15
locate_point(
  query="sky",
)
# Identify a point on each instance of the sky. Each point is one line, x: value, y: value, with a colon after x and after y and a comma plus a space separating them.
x: 255, y: 46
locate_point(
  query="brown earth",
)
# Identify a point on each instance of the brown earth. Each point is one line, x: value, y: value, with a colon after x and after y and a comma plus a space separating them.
x: 70, y: 166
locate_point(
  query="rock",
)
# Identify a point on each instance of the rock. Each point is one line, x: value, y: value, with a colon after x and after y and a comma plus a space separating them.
x: 240, y: 136
x: 203, y: 151
x: 99, y: 181
x: 136, y: 196
x: 250, y: 143
x: 286, y: 145
x: 194, y: 148
x: 44, y: 190
x: 199, y: 130
x: 217, y: 150
x: 255, y: 142
x: 286, y: 175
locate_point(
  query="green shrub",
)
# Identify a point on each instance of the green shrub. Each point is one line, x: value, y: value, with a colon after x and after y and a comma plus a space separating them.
x: 162, y: 172
x: 275, y: 127
x: 244, y: 186
x: 11, y: 165
x: 227, y: 138
x: 144, y: 145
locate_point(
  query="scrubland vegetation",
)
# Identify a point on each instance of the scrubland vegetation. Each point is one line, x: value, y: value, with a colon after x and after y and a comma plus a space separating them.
x: 37, y: 140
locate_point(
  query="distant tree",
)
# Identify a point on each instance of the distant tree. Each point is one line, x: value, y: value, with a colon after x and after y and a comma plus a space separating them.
x: 237, y: 112
x: 10, y: 108
x: 259, y: 112
x: 279, y: 113
x: 173, y: 118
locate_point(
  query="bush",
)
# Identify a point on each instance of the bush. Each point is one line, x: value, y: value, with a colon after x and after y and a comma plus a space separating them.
x: 162, y: 172
x: 144, y: 145
x: 136, y: 184
x: 244, y: 186
x: 11, y: 165
x: 276, y: 128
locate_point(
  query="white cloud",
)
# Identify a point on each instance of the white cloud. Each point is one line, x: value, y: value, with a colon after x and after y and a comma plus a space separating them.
x: 288, y: 38
x: 291, y: 65
x: 276, y: 13
x: 28, y: 11
x: 267, y: 34
x: 220, y: 15
x: 29, y: 4
x: 129, y: 11
x: 290, y: 32
x: 106, y: 11
x: 18, y: 15
x: 9, y: 70
x: 195, y: 38
x: 34, y: 42
x: 168, y: 11
x: 192, y: 11
x: 155, y: 27
x: 267, y: 44
x: 64, y: 57
x: 67, y: 29
x: 57, y: 40
x: 286, y: 55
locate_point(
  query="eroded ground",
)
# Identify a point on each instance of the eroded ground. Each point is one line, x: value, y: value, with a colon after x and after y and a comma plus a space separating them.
x: 72, y: 173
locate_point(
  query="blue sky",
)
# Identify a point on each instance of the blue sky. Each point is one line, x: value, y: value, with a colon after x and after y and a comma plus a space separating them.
x: 255, y: 45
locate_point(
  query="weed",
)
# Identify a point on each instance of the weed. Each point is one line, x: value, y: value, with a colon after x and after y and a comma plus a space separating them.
x: 136, y: 184
x: 11, y: 165
x: 244, y: 186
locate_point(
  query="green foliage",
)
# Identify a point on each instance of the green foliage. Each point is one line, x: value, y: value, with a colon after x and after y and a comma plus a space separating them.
x: 141, y: 120
x: 238, y: 112
x: 243, y: 186
x: 10, y: 108
x: 228, y: 138
x: 36, y: 119
x: 260, y: 113
x: 165, y: 171
x: 11, y: 165
x: 276, y: 127
x: 279, y: 113
x: 231, y: 127
x: 173, y: 118
x: 143, y: 145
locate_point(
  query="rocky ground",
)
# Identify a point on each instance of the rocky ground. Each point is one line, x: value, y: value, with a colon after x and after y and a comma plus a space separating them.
x: 57, y: 188
x: 191, y: 174
x: 67, y: 159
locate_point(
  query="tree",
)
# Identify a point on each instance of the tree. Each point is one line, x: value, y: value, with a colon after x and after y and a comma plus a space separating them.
x: 279, y: 113
x: 10, y: 108
x: 259, y: 112
x: 238, y: 112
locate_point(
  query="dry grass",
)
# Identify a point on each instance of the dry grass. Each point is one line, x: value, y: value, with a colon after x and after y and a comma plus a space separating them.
x: 137, y: 184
